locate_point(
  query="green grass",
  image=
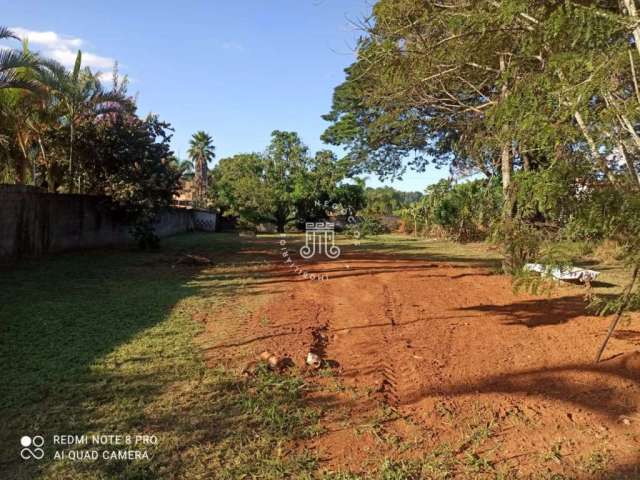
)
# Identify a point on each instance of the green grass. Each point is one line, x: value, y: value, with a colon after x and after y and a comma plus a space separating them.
x: 103, y: 342
x: 614, y: 275
x: 482, y: 254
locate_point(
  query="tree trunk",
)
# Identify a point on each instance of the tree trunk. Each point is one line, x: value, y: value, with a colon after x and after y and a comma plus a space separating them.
x: 44, y: 159
x: 630, y: 128
x: 625, y: 303
x: 51, y: 184
x: 594, y: 149
x: 71, y: 139
x: 630, y: 166
x: 20, y: 163
x: 625, y: 124
x: 634, y: 76
x: 505, y: 158
x: 506, y: 167
x: 632, y: 11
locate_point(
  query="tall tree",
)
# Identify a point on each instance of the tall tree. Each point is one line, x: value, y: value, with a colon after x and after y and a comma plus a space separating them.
x: 286, y: 161
x: 201, y: 151
x: 540, y: 94
x: 80, y: 96
x: 281, y: 186
x: 488, y: 86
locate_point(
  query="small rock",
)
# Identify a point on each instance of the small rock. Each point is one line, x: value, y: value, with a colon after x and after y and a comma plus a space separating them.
x: 313, y: 360
x: 264, y: 356
x: 274, y: 362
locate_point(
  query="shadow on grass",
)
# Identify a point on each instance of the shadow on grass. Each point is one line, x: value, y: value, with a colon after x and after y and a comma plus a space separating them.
x: 61, y: 313
x: 102, y: 342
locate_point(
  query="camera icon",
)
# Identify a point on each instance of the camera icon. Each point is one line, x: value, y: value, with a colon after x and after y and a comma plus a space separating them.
x: 32, y: 447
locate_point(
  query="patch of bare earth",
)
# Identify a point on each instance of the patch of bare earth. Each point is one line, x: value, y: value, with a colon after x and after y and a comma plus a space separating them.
x: 428, y: 355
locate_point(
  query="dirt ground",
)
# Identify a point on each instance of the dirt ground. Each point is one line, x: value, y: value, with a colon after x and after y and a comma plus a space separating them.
x: 425, y: 354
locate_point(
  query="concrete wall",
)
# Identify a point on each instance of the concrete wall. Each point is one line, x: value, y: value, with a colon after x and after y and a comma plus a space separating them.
x: 204, y: 221
x: 34, y: 223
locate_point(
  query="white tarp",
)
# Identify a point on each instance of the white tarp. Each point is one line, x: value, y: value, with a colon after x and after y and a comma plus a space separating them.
x: 569, y: 273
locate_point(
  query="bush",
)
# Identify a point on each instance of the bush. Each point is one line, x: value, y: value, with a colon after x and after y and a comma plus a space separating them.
x: 464, y: 212
x: 130, y: 161
x: 366, y: 226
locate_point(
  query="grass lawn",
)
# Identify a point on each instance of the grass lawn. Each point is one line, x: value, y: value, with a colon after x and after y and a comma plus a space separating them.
x: 105, y: 342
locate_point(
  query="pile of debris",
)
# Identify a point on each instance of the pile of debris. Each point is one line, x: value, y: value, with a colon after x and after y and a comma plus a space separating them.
x: 277, y: 363
x: 581, y: 275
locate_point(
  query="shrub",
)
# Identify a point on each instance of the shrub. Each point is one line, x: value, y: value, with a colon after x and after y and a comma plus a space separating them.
x: 464, y: 212
x: 366, y: 226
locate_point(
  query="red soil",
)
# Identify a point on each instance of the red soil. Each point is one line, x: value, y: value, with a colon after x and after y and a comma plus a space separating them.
x: 445, y: 348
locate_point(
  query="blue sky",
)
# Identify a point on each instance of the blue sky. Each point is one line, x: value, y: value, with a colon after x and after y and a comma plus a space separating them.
x: 237, y: 69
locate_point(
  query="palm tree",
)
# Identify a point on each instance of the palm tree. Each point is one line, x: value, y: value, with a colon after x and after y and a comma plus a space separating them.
x: 18, y: 89
x: 80, y: 94
x: 14, y: 62
x: 201, y: 151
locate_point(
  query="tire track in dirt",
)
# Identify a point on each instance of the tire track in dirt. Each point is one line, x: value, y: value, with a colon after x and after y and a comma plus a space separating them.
x: 319, y: 335
x: 389, y: 306
x: 371, y: 329
x: 389, y: 370
x: 445, y: 338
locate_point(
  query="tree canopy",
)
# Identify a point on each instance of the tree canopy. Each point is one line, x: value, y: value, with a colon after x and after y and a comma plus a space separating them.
x: 490, y: 86
x: 283, y: 185
x: 63, y: 130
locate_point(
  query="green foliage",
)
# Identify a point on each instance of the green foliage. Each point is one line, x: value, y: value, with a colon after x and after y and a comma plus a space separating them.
x: 63, y: 130
x: 351, y: 197
x: 240, y: 188
x: 463, y: 212
x: 131, y: 163
x: 38, y: 126
x: 283, y: 185
x: 383, y: 201
x: 456, y: 85
x: 365, y: 226
x: 544, y: 92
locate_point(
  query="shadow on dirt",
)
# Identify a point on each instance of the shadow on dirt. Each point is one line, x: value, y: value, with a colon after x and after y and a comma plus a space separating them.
x: 585, y: 385
x: 537, y: 313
